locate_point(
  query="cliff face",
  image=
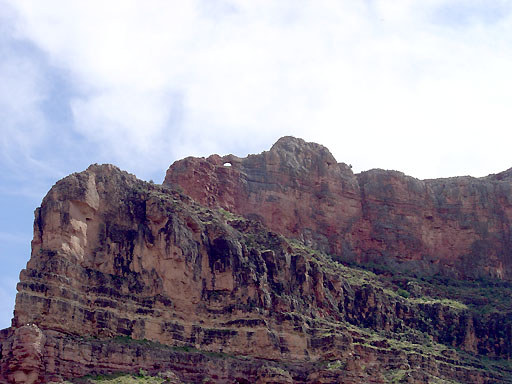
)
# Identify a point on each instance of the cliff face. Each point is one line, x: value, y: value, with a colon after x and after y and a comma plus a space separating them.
x: 460, y: 226
x: 242, y: 283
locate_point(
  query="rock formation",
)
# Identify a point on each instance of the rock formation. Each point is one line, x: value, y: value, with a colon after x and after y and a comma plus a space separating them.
x: 239, y: 275
x: 460, y: 225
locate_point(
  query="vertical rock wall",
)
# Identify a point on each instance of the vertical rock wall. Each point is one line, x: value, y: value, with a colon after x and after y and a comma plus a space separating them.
x: 460, y: 226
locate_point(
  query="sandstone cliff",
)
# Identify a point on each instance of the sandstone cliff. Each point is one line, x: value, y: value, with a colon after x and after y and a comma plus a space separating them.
x: 461, y: 225
x: 127, y: 275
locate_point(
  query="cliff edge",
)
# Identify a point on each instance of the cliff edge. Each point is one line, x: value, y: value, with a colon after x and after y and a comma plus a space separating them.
x: 459, y: 226
x: 243, y: 274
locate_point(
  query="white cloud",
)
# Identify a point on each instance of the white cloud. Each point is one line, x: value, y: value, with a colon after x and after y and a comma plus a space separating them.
x: 22, y: 92
x: 382, y: 84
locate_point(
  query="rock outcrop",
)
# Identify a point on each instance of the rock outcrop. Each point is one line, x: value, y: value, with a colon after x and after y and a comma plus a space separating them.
x: 127, y: 276
x: 461, y: 226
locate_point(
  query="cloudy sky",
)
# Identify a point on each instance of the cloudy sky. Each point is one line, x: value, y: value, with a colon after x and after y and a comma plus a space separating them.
x: 421, y: 86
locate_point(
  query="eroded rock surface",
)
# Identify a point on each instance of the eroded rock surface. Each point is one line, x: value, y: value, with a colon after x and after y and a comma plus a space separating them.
x: 26, y: 364
x: 460, y: 226
x: 127, y: 275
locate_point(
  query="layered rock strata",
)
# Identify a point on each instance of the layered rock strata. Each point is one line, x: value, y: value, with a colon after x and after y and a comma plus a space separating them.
x: 460, y: 226
x: 127, y: 275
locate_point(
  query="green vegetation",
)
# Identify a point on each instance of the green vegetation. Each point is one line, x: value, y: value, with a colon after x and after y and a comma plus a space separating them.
x: 119, y: 378
x: 229, y: 215
x: 483, y: 295
x: 336, y: 364
x: 177, y: 348
x: 397, y: 376
x: 457, y: 305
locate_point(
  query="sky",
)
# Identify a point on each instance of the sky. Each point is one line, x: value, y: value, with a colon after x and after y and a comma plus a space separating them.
x: 420, y: 86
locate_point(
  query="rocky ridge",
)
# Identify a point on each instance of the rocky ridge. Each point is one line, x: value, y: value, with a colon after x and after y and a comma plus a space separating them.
x: 460, y: 226
x: 127, y: 275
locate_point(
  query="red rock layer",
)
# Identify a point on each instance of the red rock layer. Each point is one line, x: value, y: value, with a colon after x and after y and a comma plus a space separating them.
x: 461, y: 226
x: 127, y: 275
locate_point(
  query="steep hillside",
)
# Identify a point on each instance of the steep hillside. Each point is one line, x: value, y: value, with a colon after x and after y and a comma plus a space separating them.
x: 129, y: 276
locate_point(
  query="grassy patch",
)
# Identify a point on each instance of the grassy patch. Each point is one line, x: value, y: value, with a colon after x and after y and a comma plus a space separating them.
x: 228, y: 215
x: 119, y: 378
x: 444, y: 302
